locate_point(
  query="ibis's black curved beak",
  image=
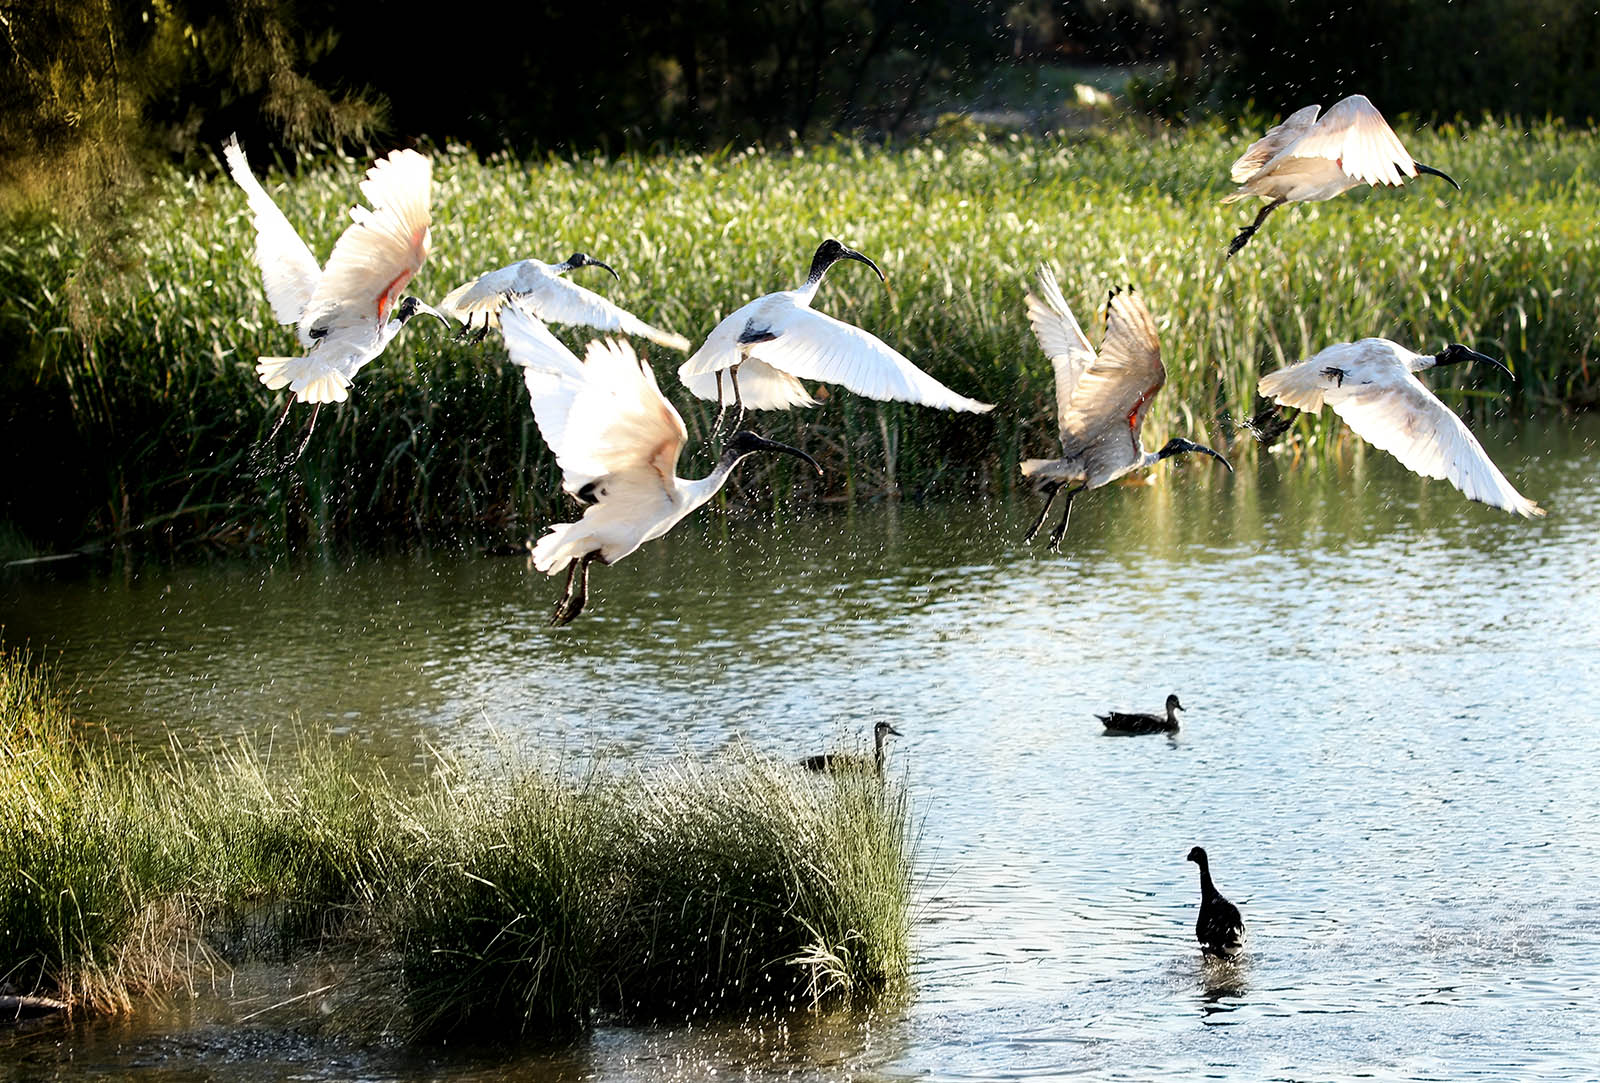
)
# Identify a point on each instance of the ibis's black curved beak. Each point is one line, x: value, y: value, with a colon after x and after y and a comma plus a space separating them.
x: 752, y: 442
x: 850, y: 253
x: 1432, y: 172
x: 1217, y: 455
x: 1484, y: 359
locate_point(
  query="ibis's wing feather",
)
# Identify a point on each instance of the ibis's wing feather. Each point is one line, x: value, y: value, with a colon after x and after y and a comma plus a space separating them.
x: 485, y: 294
x: 761, y: 387
x: 600, y: 416
x: 1124, y: 378
x: 1401, y: 416
x: 813, y: 345
x: 376, y: 256
x: 1269, y: 146
x: 288, y: 269
x: 1062, y: 340
x: 555, y: 300
x: 1354, y: 134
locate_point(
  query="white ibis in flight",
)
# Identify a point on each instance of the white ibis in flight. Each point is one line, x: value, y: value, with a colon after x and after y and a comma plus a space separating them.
x: 540, y: 289
x: 1101, y: 399
x: 617, y: 440
x: 1305, y: 159
x: 769, y: 345
x: 1370, y: 384
x: 346, y: 310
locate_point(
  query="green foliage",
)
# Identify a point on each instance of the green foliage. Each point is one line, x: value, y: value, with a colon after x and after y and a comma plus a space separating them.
x: 521, y: 893
x: 158, y: 429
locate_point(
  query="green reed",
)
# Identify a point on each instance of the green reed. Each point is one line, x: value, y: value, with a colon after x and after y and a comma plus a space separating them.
x: 148, y: 363
x: 526, y: 892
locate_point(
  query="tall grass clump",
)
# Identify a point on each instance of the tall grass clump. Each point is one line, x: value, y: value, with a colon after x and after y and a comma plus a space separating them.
x: 145, y: 392
x: 526, y: 894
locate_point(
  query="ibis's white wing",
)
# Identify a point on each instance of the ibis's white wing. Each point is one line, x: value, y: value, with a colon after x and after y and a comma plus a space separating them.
x: 813, y: 345
x: 1062, y: 340
x: 485, y: 294
x: 1354, y: 134
x: 1396, y: 413
x: 288, y: 269
x: 374, y: 258
x: 600, y: 416
x: 1113, y: 394
x: 761, y: 387
x: 1269, y: 146
x: 556, y: 300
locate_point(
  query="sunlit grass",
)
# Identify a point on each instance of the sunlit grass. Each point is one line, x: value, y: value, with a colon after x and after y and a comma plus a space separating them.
x: 156, y: 363
x: 530, y: 893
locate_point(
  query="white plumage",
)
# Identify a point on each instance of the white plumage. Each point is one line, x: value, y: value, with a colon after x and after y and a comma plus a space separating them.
x: 1101, y: 399
x: 617, y: 440
x: 343, y: 308
x: 1306, y: 159
x: 764, y: 349
x: 1370, y: 385
x: 541, y: 290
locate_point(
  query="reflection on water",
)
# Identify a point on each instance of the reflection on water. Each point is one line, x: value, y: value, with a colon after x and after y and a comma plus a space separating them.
x: 1389, y: 753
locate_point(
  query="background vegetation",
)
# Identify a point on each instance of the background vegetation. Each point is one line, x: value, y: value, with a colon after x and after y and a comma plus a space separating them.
x: 134, y: 405
x: 514, y: 892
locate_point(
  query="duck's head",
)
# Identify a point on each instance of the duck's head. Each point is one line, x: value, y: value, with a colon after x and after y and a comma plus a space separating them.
x: 1197, y: 855
x: 1173, y: 704
x: 883, y: 730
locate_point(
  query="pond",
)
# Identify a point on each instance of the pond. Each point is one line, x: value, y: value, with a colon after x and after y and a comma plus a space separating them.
x: 1389, y: 750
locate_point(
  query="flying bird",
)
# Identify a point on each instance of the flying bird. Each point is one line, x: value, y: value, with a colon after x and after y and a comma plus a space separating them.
x: 1219, y: 927
x: 346, y: 310
x: 1370, y: 385
x: 1101, y: 399
x: 617, y: 440
x: 842, y: 762
x: 540, y: 289
x: 1304, y: 159
x: 770, y: 344
x: 1121, y: 722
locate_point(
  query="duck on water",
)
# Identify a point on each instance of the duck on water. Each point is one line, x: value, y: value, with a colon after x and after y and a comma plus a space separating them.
x: 843, y: 762
x: 1120, y: 722
x: 1219, y: 928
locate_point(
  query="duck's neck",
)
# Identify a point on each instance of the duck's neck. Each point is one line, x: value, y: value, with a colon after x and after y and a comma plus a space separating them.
x: 1208, y: 890
x: 878, y: 752
x: 1172, y: 715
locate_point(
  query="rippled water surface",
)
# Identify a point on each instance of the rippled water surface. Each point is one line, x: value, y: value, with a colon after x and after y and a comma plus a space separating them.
x: 1390, y: 752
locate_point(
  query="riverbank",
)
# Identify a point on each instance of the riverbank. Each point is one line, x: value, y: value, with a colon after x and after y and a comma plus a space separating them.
x: 133, y: 363
x: 522, y: 893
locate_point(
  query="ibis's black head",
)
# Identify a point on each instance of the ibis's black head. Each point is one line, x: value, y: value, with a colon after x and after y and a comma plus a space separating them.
x: 883, y: 730
x: 744, y: 442
x: 1432, y: 172
x: 1457, y: 354
x: 411, y: 306
x: 830, y: 252
x: 1198, y: 856
x: 1173, y: 704
x: 1179, y: 446
x: 579, y: 259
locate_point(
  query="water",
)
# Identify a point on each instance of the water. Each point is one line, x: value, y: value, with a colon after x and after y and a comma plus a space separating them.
x: 1389, y: 752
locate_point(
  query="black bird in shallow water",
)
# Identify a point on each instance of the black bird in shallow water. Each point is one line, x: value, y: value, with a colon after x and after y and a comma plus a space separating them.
x: 1219, y: 928
x: 838, y: 762
x: 1118, y: 722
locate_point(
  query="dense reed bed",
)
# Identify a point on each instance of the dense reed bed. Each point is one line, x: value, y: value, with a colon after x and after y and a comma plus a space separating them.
x: 522, y: 894
x: 134, y: 366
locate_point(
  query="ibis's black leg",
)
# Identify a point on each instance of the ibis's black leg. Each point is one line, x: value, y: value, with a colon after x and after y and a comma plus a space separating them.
x: 577, y: 591
x: 281, y: 419
x: 722, y: 411
x: 738, y: 417
x: 1336, y: 375
x: 483, y: 332
x: 1066, y: 513
x: 1250, y: 231
x: 301, y: 450
x: 1050, y: 491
